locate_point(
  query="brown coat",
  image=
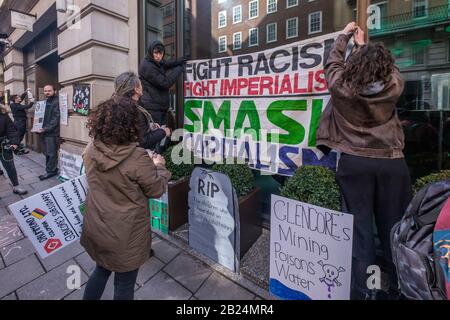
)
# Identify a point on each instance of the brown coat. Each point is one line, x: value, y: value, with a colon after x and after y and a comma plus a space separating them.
x: 362, y: 125
x: 116, y: 228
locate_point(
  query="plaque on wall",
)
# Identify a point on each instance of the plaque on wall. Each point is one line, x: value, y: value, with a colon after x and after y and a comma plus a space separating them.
x: 82, y: 98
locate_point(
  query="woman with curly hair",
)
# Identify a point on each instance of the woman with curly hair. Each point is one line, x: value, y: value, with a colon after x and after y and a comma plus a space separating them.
x: 361, y: 122
x: 121, y: 178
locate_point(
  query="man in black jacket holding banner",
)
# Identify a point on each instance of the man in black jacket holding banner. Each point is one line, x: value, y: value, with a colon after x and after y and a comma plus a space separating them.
x: 158, y: 76
x: 50, y: 132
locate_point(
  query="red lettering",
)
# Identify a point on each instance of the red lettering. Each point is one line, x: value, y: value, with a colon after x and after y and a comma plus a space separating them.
x: 266, y: 84
x: 253, y: 86
x: 286, y: 86
x: 320, y: 78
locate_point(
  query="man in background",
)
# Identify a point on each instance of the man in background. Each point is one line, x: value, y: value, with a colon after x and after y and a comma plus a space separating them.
x: 50, y: 132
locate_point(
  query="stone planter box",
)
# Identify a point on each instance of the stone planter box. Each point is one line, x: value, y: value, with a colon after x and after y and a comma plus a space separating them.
x: 178, y: 203
x: 250, y: 219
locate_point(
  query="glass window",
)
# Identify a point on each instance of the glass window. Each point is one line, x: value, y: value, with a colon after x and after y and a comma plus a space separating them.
x: 253, y: 37
x: 253, y: 9
x: 271, y: 32
x: 222, y: 44
x: 292, y: 28
x: 420, y: 8
x: 291, y: 3
x: 315, y: 22
x: 237, y: 41
x: 222, y: 19
x: 237, y: 14
x: 272, y: 6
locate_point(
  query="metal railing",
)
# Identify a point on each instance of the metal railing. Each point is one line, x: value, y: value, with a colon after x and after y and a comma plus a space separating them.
x: 413, y: 19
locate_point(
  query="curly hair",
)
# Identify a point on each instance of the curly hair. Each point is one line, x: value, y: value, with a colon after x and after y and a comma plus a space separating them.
x: 371, y: 63
x: 114, y: 122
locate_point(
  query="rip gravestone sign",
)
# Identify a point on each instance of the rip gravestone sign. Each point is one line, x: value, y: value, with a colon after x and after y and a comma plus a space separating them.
x: 214, y: 227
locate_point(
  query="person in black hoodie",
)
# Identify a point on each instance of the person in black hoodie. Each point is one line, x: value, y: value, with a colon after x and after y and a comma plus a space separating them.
x: 9, y: 139
x: 50, y: 132
x: 158, y: 76
x: 19, y: 112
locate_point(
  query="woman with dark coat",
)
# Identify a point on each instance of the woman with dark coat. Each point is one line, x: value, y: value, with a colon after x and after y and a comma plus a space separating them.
x: 121, y: 178
x: 9, y: 140
x: 362, y: 123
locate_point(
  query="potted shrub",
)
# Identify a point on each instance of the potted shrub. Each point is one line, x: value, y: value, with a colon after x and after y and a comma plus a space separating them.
x: 242, y: 179
x: 314, y: 185
x: 176, y: 208
x: 432, y: 178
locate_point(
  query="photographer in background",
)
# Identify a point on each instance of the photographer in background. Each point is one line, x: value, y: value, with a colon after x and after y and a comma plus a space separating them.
x: 9, y: 139
x: 19, y: 112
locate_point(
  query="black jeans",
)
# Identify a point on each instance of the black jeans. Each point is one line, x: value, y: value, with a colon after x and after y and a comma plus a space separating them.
x: 379, y: 188
x: 7, y: 160
x: 21, y: 127
x: 50, y: 148
x: 123, y: 284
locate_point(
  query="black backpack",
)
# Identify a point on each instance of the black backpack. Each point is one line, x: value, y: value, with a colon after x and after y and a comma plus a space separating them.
x: 419, y: 275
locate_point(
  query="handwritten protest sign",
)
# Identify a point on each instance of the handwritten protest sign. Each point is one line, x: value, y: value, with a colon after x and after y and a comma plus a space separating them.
x: 39, y: 113
x: 214, y: 225
x: 53, y: 219
x: 310, y: 251
x: 264, y: 106
x: 159, y: 213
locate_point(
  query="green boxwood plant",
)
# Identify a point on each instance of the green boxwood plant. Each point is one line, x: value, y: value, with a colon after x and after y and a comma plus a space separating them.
x: 432, y: 178
x: 241, y: 177
x: 314, y: 185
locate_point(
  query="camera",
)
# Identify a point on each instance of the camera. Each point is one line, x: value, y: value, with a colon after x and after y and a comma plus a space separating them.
x: 6, y: 144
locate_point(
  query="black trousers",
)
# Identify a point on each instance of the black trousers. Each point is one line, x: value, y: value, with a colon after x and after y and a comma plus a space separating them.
x: 123, y: 284
x: 373, y: 188
x: 50, y: 148
x: 7, y: 160
x: 21, y: 127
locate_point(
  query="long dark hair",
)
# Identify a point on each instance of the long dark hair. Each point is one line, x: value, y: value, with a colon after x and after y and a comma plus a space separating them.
x: 370, y: 63
x: 114, y: 122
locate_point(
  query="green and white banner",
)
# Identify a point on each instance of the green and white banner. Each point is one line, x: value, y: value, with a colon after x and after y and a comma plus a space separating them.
x: 264, y: 107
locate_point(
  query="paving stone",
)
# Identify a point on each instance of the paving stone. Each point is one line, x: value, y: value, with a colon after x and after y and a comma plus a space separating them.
x: 77, y: 295
x: 17, y: 251
x: 188, y: 271
x: 9, y: 200
x: 3, y: 212
x: 148, y: 270
x: 62, y: 256
x: 217, y: 287
x: 9, y: 231
x: 86, y: 263
x: 19, y: 274
x: 163, y: 250
x: 162, y: 287
x: 10, y: 297
x: 2, y: 265
x: 50, y: 286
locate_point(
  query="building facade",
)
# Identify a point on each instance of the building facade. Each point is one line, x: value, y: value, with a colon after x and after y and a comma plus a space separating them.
x: 89, y: 42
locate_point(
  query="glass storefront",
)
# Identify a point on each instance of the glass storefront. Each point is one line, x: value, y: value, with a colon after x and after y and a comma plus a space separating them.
x: 416, y: 31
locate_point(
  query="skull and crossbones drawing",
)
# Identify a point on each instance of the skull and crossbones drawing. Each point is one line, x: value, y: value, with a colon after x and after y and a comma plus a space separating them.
x: 331, y: 276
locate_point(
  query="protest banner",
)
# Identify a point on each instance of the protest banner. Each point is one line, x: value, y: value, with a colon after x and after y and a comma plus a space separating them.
x: 63, y: 108
x: 82, y: 98
x: 70, y: 162
x: 264, y: 107
x: 310, y: 251
x: 53, y: 219
x: 39, y: 113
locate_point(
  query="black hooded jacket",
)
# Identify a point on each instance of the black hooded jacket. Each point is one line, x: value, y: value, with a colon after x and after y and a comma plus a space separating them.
x: 19, y: 110
x: 157, y: 79
x: 7, y: 129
